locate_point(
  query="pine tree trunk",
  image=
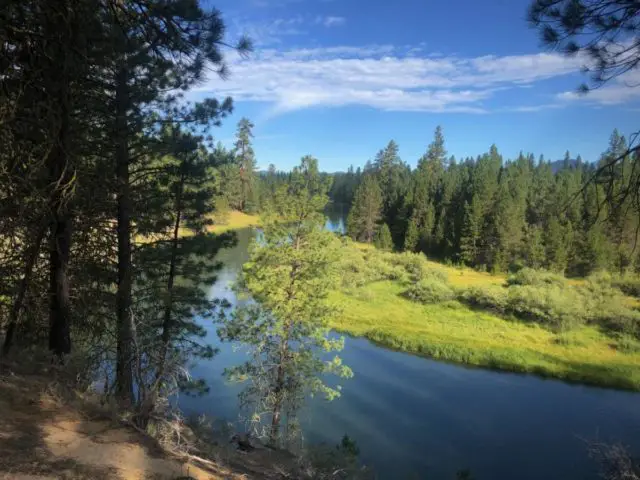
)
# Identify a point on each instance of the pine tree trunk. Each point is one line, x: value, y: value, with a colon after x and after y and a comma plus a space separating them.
x: 124, y: 355
x: 59, y: 312
x: 277, y: 406
x: 61, y: 177
x: 16, y: 308
x: 167, y: 323
x: 60, y: 241
x: 276, y: 411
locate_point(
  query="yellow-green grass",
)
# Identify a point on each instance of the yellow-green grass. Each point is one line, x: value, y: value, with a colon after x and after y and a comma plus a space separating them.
x: 237, y: 220
x: 467, y: 277
x: 454, y: 332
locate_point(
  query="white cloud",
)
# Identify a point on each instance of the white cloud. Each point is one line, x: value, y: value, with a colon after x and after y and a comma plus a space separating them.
x: 384, y: 77
x: 619, y: 90
x: 330, y: 21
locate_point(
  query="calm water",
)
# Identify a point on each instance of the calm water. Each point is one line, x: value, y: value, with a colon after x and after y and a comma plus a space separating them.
x: 417, y: 418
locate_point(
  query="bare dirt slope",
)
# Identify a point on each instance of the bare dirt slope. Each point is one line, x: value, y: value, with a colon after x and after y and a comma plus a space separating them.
x: 43, y: 437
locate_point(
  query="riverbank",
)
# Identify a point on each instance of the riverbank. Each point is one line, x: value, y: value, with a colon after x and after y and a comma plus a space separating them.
x: 374, y: 306
x: 455, y: 332
x: 49, y: 430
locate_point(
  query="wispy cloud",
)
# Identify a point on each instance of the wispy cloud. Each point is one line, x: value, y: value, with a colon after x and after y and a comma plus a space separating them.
x: 268, y: 33
x: 272, y: 32
x: 619, y: 90
x: 388, y: 78
x: 330, y: 21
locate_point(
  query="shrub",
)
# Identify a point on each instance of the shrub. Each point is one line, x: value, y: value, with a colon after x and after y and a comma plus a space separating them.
x: 606, y: 306
x: 416, y: 266
x: 430, y: 291
x: 362, y: 267
x: 560, y: 308
x: 530, y: 276
x: 618, y: 318
x: 627, y: 344
x: 601, y: 277
x: 489, y: 297
x: 628, y: 283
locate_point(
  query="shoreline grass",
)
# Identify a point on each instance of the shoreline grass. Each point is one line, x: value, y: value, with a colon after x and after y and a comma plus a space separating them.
x: 236, y: 221
x: 379, y: 302
x: 455, y: 333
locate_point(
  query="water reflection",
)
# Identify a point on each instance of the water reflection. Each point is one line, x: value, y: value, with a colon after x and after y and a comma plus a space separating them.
x: 417, y: 418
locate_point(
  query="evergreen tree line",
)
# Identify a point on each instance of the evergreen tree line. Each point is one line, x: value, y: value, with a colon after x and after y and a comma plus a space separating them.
x: 108, y: 183
x: 570, y: 216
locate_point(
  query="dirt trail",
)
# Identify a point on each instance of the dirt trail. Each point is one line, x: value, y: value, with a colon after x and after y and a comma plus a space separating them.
x: 40, y: 438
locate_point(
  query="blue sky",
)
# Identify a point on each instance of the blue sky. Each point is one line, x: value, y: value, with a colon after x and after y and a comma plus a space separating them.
x: 338, y: 79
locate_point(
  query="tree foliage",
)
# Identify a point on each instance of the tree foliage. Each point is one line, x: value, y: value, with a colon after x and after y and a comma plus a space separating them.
x: 290, y: 273
x: 366, y: 210
x: 497, y: 214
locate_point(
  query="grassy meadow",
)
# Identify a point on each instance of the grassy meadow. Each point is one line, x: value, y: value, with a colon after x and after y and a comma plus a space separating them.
x: 236, y: 220
x: 376, y: 304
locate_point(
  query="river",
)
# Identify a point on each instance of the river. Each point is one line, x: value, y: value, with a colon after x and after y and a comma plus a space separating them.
x: 415, y: 418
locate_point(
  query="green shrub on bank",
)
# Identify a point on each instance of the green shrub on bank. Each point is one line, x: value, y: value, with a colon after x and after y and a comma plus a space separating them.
x: 558, y: 307
x: 533, y: 277
x: 490, y: 297
x: 629, y: 284
x: 430, y: 290
x: 360, y: 267
x: 627, y: 344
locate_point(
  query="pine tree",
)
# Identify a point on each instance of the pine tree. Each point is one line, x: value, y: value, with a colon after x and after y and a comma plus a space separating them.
x: 155, y: 48
x: 535, y: 249
x: 383, y: 240
x: 558, y: 238
x: 426, y: 193
x: 366, y: 211
x: 394, y: 178
x: 246, y: 162
x: 471, y: 232
x: 412, y: 236
x: 290, y: 273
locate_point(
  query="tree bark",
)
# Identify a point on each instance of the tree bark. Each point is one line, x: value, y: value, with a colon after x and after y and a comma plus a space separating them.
x: 276, y: 412
x: 16, y: 308
x: 60, y: 311
x: 167, y: 323
x: 124, y: 354
x: 61, y: 176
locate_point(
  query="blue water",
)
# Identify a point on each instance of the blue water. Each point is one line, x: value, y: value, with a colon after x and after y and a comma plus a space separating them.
x: 417, y: 418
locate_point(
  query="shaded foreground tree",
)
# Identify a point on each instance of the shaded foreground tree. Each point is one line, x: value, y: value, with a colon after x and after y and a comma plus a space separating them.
x: 290, y: 273
x: 156, y: 48
x: 87, y: 93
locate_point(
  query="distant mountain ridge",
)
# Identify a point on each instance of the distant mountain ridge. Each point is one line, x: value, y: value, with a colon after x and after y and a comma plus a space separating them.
x: 559, y: 164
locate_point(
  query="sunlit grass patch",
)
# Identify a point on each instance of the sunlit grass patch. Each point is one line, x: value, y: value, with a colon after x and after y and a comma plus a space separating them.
x: 454, y: 332
x: 237, y: 220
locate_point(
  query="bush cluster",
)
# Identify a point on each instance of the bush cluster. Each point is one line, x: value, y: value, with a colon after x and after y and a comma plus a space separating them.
x: 429, y: 291
x: 533, y: 277
x: 542, y: 297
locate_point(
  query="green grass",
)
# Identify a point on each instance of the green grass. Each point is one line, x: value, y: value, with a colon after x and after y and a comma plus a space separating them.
x: 454, y: 332
x: 237, y: 220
